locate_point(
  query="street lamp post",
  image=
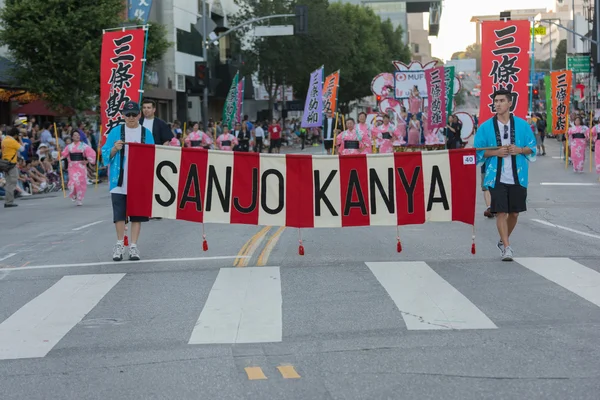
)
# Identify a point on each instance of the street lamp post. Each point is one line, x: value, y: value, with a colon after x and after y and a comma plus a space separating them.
x: 205, y: 57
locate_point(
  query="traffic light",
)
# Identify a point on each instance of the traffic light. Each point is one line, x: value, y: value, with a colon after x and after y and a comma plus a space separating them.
x: 301, y: 25
x: 202, y: 73
x: 536, y: 93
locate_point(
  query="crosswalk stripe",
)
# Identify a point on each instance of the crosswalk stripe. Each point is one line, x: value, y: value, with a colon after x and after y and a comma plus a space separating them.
x: 39, y: 325
x: 425, y: 299
x: 244, y: 306
x: 579, y: 279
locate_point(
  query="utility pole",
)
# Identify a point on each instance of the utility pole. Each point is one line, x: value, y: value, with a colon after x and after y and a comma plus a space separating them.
x: 205, y: 57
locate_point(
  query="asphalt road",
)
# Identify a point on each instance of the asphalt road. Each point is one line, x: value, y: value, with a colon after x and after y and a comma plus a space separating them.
x: 352, y: 319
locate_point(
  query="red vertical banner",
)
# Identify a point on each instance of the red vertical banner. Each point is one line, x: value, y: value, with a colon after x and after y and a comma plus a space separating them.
x: 120, y: 74
x: 354, y: 190
x: 245, y: 199
x: 505, y: 65
x: 561, y: 82
x: 192, y: 184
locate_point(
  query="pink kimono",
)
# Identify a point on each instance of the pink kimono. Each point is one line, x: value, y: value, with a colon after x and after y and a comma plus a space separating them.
x: 226, y: 142
x: 198, y: 139
x: 352, y: 138
x: 577, y: 145
x: 596, y: 138
x: 386, y: 145
x: 77, y: 154
x: 414, y: 133
x: 414, y: 104
x: 364, y: 130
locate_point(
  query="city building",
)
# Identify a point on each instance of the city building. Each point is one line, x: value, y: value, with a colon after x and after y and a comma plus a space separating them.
x: 418, y: 36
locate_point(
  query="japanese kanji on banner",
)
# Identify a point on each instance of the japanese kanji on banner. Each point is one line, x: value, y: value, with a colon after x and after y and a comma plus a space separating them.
x: 330, y: 92
x: 436, y: 92
x: 120, y: 74
x: 561, y: 82
x: 301, y: 191
x: 449, y: 81
x: 504, y: 65
x: 313, y: 108
x: 231, y: 103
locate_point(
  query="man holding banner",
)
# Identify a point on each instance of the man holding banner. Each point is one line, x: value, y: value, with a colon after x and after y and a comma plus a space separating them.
x: 115, y: 154
x: 506, y: 145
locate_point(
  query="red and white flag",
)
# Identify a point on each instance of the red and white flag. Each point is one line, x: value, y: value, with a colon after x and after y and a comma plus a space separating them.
x: 301, y: 191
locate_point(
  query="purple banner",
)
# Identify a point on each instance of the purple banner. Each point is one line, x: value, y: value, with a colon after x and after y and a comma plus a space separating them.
x: 313, y: 108
x: 436, y: 93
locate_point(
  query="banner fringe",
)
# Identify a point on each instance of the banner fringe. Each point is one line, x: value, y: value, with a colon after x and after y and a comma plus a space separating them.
x: 204, y: 241
x: 399, y: 244
x: 300, y: 245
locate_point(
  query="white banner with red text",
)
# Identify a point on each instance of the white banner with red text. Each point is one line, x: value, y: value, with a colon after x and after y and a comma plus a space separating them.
x: 301, y: 191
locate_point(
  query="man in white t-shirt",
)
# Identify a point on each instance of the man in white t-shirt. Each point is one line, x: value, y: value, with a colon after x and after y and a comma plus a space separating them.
x: 259, y: 135
x: 115, y: 155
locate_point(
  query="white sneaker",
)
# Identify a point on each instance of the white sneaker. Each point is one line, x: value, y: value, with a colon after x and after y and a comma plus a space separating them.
x: 507, y: 254
x: 500, y: 246
x: 134, y: 253
x: 118, y: 251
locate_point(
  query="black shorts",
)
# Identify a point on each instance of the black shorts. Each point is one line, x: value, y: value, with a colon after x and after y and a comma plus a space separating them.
x: 275, y: 143
x: 508, y: 198
x: 119, y: 205
x: 328, y: 144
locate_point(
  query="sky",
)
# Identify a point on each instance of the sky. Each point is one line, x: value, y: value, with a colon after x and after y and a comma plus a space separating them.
x: 456, y: 32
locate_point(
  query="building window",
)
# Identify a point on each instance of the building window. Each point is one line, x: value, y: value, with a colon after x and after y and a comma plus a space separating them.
x: 189, y: 42
x: 415, y: 48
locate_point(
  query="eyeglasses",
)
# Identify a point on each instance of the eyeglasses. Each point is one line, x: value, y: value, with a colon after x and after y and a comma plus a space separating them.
x: 505, y: 132
x: 130, y: 115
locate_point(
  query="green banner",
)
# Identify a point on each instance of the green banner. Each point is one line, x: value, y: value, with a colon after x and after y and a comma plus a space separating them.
x: 548, y: 88
x: 230, y: 107
x: 449, y: 80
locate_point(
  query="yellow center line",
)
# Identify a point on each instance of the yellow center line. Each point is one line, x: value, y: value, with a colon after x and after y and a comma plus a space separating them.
x: 245, y: 254
x: 288, y: 372
x: 264, y: 255
x: 255, y: 373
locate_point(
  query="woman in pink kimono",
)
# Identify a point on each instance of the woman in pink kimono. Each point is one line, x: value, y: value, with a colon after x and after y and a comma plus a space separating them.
x: 414, y: 131
x: 387, y: 134
x: 226, y: 140
x: 365, y: 131
x: 595, y: 132
x: 78, y: 155
x: 578, y: 137
x: 415, y: 102
x: 351, y: 141
x: 197, y: 138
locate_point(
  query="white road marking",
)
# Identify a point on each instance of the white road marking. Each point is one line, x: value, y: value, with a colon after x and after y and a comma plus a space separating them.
x: 244, y: 306
x: 156, y: 260
x: 425, y: 299
x: 576, y: 278
x: 39, y: 325
x: 567, y: 184
x: 539, y: 221
x: 7, y: 256
x: 87, y: 226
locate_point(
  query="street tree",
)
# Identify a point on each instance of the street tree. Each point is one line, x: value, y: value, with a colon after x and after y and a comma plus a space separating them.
x: 560, y: 60
x: 56, y: 46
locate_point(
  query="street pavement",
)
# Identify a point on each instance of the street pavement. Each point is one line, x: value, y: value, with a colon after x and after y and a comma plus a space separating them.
x: 351, y: 319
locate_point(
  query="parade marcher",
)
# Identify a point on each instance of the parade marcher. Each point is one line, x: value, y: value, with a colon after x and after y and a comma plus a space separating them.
x: 541, y: 135
x: 243, y: 137
x: 507, y: 167
x: 329, y: 129
x: 226, y: 141
x: 595, y: 132
x: 578, y: 138
x: 274, y: 137
x: 415, y: 102
x: 198, y: 138
x: 414, y: 131
x: 351, y: 141
x: 160, y: 130
x: 77, y: 153
x: 115, y: 156
x: 387, y: 134
x: 363, y: 129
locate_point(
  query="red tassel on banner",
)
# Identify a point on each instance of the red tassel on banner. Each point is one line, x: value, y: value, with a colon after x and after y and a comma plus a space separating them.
x: 399, y: 246
x: 126, y: 241
x: 300, y: 245
x: 473, y: 248
x: 204, y: 242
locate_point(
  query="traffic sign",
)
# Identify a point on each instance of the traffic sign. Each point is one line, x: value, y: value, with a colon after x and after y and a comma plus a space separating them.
x: 579, y: 64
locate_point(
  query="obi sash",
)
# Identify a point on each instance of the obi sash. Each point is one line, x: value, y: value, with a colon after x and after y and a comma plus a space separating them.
x: 76, y: 157
x: 196, y: 143
x: 351, y: 144
x: 578, y: 136
x: 386, y: 135
x: 226, y: 143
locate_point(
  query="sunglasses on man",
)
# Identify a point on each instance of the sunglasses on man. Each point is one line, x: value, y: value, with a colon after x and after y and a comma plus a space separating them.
x: 505, y: 132
x: 130, y: 115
